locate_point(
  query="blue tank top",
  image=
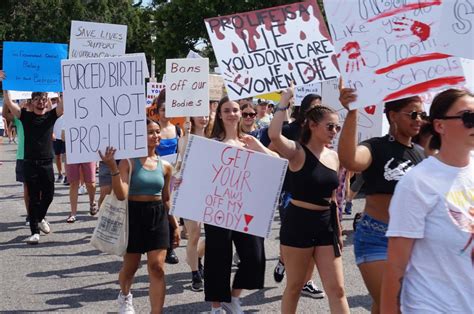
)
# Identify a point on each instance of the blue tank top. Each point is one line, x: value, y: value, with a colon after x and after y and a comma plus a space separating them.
x: 167, y: 146
x: 146, y: 182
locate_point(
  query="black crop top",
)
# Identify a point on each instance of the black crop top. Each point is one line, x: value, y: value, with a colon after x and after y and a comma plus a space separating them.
x: 390, y: 161
x: 313, y: 182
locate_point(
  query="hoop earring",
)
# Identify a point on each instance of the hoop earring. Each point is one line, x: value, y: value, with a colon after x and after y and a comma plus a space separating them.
x: 392, y: 130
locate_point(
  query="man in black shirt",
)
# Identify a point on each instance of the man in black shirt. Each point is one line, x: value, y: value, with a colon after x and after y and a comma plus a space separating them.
x: 38, y: 162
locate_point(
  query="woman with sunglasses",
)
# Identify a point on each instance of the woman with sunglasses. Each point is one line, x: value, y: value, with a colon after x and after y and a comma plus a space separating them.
x: 383, y: 161
x: 431, y: 228
x: 218, y: 251
x: 310, y: 231
x: 249, y: 118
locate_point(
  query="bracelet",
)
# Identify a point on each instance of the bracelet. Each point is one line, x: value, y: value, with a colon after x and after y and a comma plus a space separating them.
x: 278, y: 108
x: 115, y: 174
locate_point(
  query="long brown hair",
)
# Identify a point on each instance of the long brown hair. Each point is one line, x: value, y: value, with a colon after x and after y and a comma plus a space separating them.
x: 242, y: 108
x: 218, y: 131
x: 315, y: 114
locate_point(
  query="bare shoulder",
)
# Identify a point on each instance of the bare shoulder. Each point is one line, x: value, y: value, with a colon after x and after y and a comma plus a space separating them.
x: 167, y: 166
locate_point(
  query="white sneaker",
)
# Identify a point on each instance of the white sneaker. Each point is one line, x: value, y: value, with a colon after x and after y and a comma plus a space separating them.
x: 44, y: 226
x: 234, y: 306
x: 125, y: 303
x: 82, y: 190
x: 34, y: 239
x: 217, y: 310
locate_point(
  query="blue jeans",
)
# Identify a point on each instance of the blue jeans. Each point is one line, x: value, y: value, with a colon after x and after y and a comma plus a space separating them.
x: 370, y: 242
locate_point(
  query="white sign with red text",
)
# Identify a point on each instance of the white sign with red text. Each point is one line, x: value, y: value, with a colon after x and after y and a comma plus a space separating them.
x: 229, y: 187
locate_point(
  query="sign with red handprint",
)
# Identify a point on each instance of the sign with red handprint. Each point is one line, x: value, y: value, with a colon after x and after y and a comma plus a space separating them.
x: 392, y: 51
x: 266, y: 50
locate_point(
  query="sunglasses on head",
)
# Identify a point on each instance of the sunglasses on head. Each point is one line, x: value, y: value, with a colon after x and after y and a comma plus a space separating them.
x: 249, y: 114
x: 467, y: 118
x: 331, y: 127
x: 415, y: 114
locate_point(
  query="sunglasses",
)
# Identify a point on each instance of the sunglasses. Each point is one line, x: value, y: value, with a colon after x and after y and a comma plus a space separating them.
x: 415, y: 114
x: 467, y: 119
x: 249, y: 114
x: 331, y: 127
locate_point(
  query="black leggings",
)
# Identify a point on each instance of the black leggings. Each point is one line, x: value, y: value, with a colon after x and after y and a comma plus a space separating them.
x: 39, y: 178
x: 218, y: 263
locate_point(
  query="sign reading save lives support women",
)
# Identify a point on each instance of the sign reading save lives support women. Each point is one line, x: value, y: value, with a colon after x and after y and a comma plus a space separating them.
x: 263, y: 51
x: 390, y: 51
x: 187, y: 87
x: 229, y: 187
x: 33, y: 66
x: 104, y: 105
x: 97, y: 40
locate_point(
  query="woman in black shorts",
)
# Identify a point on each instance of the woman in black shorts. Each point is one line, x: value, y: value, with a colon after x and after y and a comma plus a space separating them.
x: 148, y: 204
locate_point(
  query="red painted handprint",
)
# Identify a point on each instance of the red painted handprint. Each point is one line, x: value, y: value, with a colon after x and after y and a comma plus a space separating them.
x: 352, y: 48
x: 236, y: 78
x: 419, y: 29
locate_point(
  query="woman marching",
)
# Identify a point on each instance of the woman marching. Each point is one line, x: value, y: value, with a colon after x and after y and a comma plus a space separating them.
x: 310, y: 230
x: 431, y: 249
x: 148, y: 204
x: 218, y: 251
x: 383, y: 161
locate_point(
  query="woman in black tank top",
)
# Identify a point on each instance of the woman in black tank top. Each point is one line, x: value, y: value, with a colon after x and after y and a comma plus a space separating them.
x: 310, y: 230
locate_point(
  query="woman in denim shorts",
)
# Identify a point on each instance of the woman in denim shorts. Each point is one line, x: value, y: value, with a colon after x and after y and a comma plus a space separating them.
x: 383, y: 161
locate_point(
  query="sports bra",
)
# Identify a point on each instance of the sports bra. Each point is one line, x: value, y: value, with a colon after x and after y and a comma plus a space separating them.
x: 314, y: 182
x: 146, y: 182
x: 167, y: 146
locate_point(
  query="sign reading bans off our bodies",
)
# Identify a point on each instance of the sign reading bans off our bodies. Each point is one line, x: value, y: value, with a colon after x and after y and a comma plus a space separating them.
x: 264, y: 51
x: 104, y: 103
x: 229, y: 187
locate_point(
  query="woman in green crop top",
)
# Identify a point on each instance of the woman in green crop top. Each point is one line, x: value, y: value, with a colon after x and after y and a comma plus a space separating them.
x: 148, y: 204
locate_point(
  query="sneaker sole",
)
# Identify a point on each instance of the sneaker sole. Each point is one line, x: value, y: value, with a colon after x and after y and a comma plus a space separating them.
x: 197, y: 290
x: 312, y: 295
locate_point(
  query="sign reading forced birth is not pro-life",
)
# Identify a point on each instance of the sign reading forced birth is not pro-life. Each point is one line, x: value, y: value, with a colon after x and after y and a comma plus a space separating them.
x: 263, y: 51
x: 104, y: 105
x: 229, y: 187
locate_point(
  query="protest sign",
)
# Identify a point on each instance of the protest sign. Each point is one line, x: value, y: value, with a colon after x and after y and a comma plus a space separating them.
x: 187, y: 87
x: 388, y: 52
x: 16, y: 95
x: 457, y: 28
x: 369, y: 120
x: 264, y: 51
x: 97, y: 40
x: 104, y: 105
x: 33, y: 66
x: 216, y: 87
x: 153, y: 89
x: 303, y: 90
x: 229, y: 187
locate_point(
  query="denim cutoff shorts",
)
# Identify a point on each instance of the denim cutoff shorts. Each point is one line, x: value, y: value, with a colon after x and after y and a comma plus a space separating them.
x: 370, y: 242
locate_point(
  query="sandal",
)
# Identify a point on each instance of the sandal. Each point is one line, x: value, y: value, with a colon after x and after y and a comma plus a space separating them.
x: 71, y: 219
x: 93, y: 210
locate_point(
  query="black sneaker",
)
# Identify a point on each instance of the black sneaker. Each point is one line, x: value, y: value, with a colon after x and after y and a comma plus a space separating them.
x: 196, y: 285
x: 27, y: 222
x: 171, y: 257
x: 200, y: 268
x: 311, y: 290
x: 357, y: 217
x: 279, y: 271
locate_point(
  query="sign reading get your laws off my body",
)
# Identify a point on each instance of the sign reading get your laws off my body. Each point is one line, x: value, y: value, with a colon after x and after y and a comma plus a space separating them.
x: 97, y: 40
x: 263, y: 51
x: 229, y: 187
x: 104, y: 105
x: 392, y: 50
x: 187, y: 87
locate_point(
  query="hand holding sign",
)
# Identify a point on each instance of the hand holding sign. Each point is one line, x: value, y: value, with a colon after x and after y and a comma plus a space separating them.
x: 2, y: 75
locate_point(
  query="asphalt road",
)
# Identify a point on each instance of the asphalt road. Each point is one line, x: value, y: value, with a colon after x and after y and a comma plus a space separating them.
x: 65, y: 273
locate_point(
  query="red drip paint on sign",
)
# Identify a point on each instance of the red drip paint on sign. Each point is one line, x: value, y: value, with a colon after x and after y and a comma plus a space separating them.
x: 302, y: 35
x: 248, y: 219
x: 412, y: 60
x: 405, y: 8
x: 235, y: 50
x: 425, y: 86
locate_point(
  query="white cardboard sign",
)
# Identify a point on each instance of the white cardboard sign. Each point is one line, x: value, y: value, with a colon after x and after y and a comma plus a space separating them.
x: 104, y: 105
x: 390, y: 52
x: 229, y: 187
x: 20, y: 95
x: 263, y: 51
x: 457, y: 28
x: 187, y: 87
x: 216, y: 87
x: 303, y: 90
x: 97, y: 40
x: 153, y: 89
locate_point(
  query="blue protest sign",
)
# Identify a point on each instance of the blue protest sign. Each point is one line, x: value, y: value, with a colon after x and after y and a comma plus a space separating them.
x: 33, y: 66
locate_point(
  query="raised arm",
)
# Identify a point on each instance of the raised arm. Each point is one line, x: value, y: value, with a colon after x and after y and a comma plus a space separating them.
x: 120, y: 173
x: 6, y: 113
x: 12, y: 106
x: 60, y: 106
x: 285, y: 147
x: 352, y: 157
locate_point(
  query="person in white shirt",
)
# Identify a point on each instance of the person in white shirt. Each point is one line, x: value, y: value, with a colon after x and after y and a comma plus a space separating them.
x: 431, y: 228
